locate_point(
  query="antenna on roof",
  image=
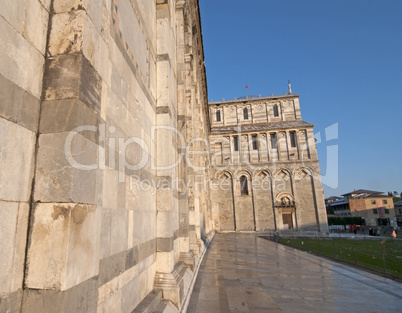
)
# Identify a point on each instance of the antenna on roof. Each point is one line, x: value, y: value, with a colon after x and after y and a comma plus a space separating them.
x: 290, y: 88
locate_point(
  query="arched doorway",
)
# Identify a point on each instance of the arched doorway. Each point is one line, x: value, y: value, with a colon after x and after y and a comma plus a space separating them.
x: 285, y: 206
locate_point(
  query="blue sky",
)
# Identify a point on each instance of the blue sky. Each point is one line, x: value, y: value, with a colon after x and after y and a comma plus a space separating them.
x: 344, y: 59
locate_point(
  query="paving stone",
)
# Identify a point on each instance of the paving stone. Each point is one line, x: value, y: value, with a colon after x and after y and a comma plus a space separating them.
x: 255, y: 275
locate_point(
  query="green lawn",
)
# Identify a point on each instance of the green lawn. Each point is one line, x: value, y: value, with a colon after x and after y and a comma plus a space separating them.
x: 383, y: 256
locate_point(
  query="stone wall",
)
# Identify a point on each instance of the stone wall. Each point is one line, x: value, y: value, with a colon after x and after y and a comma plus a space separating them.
x: 96, y: 97
x: 24, y: 26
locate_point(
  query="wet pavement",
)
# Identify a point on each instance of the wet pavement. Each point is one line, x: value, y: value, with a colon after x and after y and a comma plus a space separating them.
x: 244, y: 273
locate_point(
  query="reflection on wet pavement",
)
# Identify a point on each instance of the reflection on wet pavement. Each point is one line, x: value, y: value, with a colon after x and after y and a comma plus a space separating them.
x: 244, y: 273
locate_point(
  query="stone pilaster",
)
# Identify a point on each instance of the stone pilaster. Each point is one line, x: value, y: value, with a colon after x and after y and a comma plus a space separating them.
x: 64, y: 233
x: 167, y: 276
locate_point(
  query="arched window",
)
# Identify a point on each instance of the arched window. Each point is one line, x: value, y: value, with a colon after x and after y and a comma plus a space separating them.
x: 254, y: 141
x: 236, y: 143
x: 218, y: 116
x: 273, y: 141
x: 243, y: 186
x: 276, y: 110
x: 245, y: 113
x: 292, y: 139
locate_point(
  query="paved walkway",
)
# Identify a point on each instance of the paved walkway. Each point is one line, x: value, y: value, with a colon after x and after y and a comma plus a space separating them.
x: 243, y: 273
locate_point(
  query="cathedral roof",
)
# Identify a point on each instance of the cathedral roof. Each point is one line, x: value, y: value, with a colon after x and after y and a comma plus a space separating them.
x: 253, y: 99
x: 259, y: 127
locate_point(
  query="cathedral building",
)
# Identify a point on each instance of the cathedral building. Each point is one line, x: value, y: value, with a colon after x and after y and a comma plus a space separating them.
x: 105, y: 134
x: 265, y: 166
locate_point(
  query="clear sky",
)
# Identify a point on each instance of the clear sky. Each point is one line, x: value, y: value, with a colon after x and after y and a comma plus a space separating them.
x: 344, y: 59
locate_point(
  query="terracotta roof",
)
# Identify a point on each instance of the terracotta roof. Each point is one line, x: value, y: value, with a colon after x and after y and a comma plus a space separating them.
x: 360, y: 191
x: 333, y: 198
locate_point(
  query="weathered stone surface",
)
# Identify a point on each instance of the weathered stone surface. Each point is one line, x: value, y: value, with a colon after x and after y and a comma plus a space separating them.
x: 119, y: 231
x: 35, y: 26
x: 111, y: 267
x: 66, y: 115
x: 131, y: 294
x: 17, y: 105
x: 25, y: 72
x: 13, y: 225
x: 72, y: 76
x: 146, y: 249
x: 15, y: 15
x: 62, y: 173
x: 66, y: 35
x: 73, y: 229
x: 17, y: 155
x: 164, y: 244
x: 12, y: 302
x: 80, y: 299
x: 92, y: 8
x: 95, y: 243
x: 110, y: 187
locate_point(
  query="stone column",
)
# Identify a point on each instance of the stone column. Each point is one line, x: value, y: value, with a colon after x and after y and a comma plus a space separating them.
x: 232, y: 152
x: 265, y: 148
x: 283, y: 146
x: 245, y: 151
x: 226, y: 150
x: 311, y: 144
x: 303, y: 145
x: 190, y: 94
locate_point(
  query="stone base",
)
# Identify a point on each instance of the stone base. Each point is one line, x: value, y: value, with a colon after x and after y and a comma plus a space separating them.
x: 175, y: 287
x: 171, y: 285
x: 188, y: 259
x: 150, y: 303
x: 166, y: 307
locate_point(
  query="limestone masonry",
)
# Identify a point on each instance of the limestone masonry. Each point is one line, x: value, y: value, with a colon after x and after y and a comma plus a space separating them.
x: 115, y: 171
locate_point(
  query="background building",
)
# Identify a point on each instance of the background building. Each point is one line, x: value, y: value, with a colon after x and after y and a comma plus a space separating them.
x: 398, y: 212
x: 265, y: 167
x: 337, y: 206
x: 375, y: 210
x: 373, y: 207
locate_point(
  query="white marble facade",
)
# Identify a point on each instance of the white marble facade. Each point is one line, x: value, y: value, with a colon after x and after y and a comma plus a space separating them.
x: 99, y: 99
x: 107, y: 184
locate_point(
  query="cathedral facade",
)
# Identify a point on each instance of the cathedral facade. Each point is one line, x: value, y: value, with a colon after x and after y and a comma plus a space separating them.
x: 266, y: 174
